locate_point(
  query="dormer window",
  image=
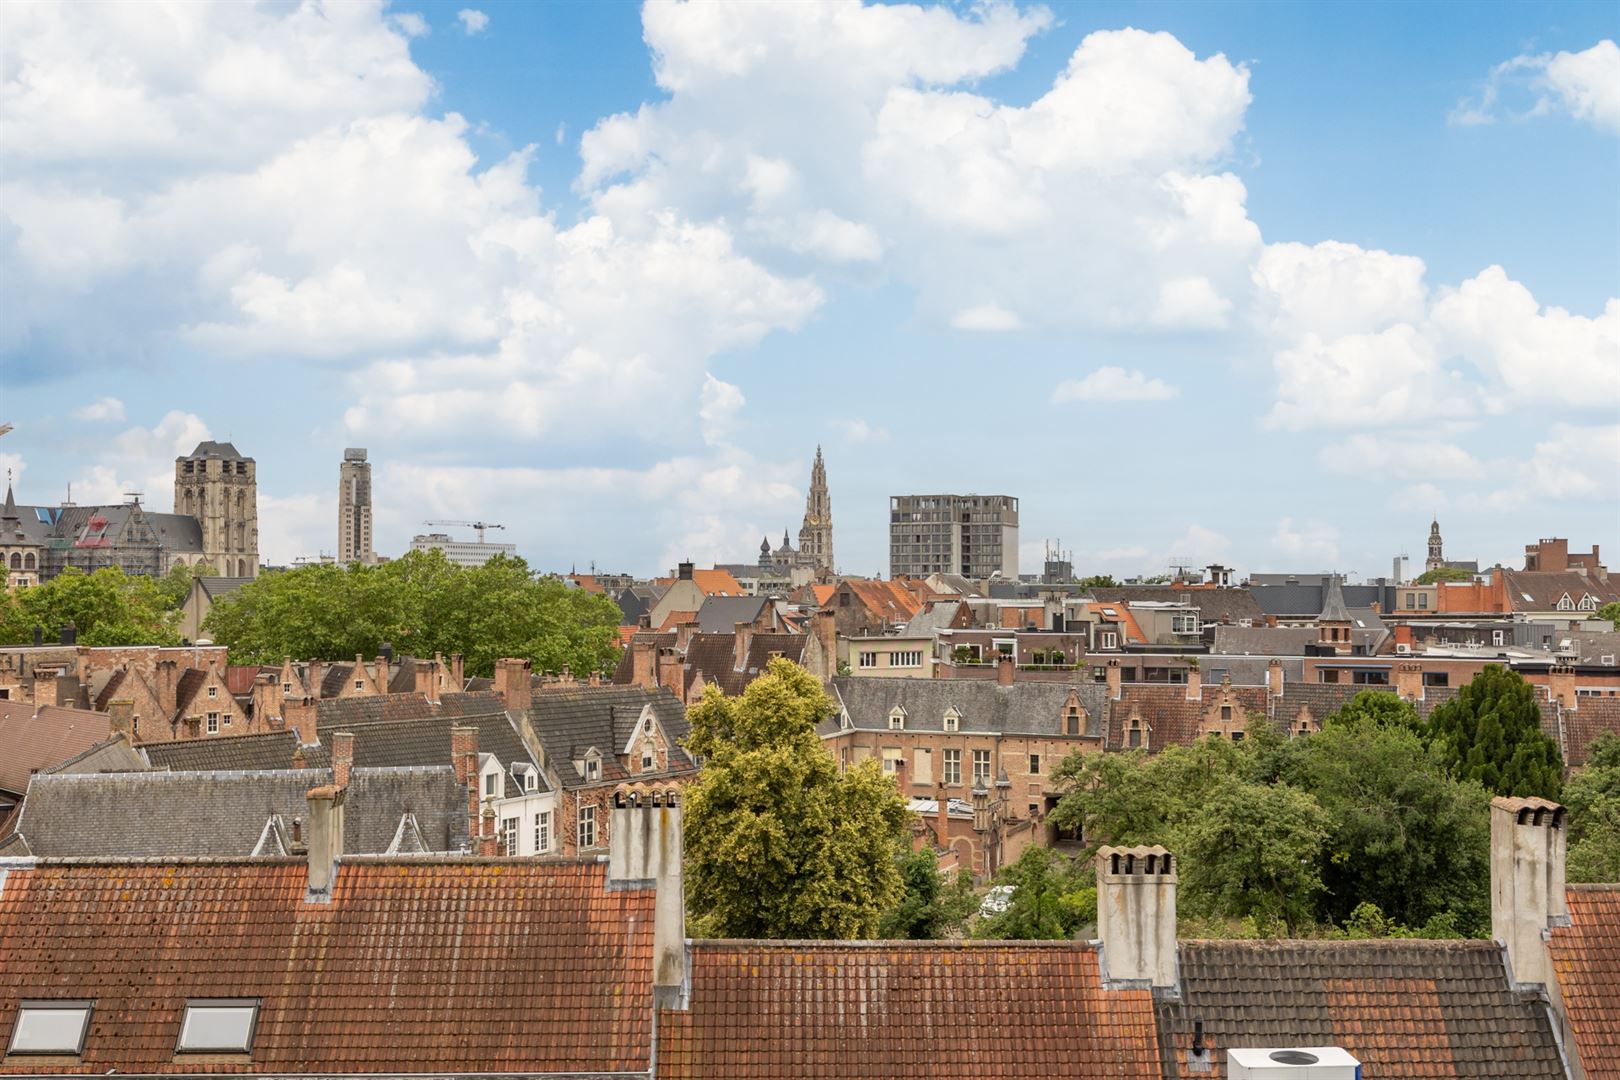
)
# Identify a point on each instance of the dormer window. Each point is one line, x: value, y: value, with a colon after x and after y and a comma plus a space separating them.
x: 218, y: 1026
x: 897, y: 719
x: 1071, y: 720
x: 359, y: 684
x: 492, y: 785
x: 1588, y: 603
x: 593, y: 768
x: 51, y: 1027
x: 1565, y: 603
x: 528, y: 780
x: 953, y: 719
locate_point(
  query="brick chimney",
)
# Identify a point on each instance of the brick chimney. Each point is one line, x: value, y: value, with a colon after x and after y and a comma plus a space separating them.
x: 301, y: 716
x: 267, y: 701
x: 1136, y: 916
x: 684, y: 571
x: 427, y: 679
x: 643, y: 663
x: 325, y: 840
x: 464, y: 759
x: 1274, y: 678
x: 167, y: 682
x: 1561, y: 687
x: 824, y: 625
x: 1527, y: 882
x: 1006, y: 671
x: 458, y: 672
x: 342, y: 758
x: 742, y: 639
x: 67, y: 690
x: 1403, y: 635
x: 669, y: 669
x: 644, y: 851
x: 1195, y: 683
x: 315, y: 672
x: 486, y: 833
x: 1409, y: 682
x: 382, y: 663
x: 514, y: 684
x: 121, y: 718
x: 1115, y: 680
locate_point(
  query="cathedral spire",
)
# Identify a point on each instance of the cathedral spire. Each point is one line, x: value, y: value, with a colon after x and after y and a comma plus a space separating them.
x: 815, y: 537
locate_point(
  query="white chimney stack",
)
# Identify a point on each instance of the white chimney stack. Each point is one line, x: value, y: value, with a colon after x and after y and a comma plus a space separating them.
x: 1136, y: 916
x: 645, y: 850
x: 325, y: 841
x: 1527, y: 882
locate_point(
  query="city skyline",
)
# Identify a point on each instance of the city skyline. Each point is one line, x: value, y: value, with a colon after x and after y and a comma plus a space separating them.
x: 1336, y: 278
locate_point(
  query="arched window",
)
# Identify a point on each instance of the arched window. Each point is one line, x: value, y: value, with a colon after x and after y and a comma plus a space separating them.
x: 191, y: 503
x: 16, y: 561
x: 28, y: 561
x: 241, y: 568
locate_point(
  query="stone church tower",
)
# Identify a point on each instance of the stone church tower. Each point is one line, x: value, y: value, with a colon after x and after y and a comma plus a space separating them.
x: 1437, y: 558
x: 815, y: 537
x: 217, y: 485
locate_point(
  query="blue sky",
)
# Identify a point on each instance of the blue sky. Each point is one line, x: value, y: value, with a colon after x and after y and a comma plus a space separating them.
x: 1266, y: 284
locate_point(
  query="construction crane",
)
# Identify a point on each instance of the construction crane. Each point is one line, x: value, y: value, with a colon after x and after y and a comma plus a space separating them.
x: 479, y: 525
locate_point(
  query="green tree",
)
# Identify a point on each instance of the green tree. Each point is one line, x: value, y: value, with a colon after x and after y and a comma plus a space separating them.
x: 1403, y: 835
x: 1254, y: 852
x: 1054, y: 896
x: 1491, y: 732
x: 1443, y: 574
x: 1610, y: 612
x: 1098, y: 581
x: 107, y: 607
x: 1593, y: 798
x: 931, y: 906
x: 1137, y: 798
x: 422, y: 604
x: 1379, y: 708
x: 779, y: 842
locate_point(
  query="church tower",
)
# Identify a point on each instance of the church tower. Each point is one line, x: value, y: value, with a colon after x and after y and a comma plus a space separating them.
x: 1437, y: 558
x: 217, y: 485
x: 815, y: 538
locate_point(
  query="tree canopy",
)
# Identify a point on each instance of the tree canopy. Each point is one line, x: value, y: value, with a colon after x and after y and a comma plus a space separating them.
x: 931, y: 906
x: 106, y: 607
x: 1442, y: 574
x: 780, y: 843
x: 1593, y: 798
x: 421, y: 604
x: 1054, y: 896
x: 1611, y: 612
x: 1491, y: 732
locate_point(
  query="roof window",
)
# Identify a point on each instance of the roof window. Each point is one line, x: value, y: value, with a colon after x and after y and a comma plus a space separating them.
x: 51, y: 1027
x: 218, y: 1025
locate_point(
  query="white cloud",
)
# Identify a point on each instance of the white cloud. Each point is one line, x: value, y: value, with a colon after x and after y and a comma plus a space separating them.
x: 721, y: 402
x: 1114, y: 384
x: 12, y: 465
x: 991, y: 317
x: 410, y: 24
x: 859, y: 431
x: 1584, y: 84
x: 473, y: 21
x: 106, y: 408
x: 1199, y: 545
x: 1422, y: 498
x: 1361, y: 380
x: 141, y: 460
x: 1308, y: 540
x: 1573, y: 463
x: 295, y: 526
x: 1334, y: 288
x: 1401, y: 459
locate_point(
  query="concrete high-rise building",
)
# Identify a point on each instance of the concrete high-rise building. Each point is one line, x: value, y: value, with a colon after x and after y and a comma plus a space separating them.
x: 354, y: 509
x: 972, y: 535
x: 218, y: 486
x: 462, y: 552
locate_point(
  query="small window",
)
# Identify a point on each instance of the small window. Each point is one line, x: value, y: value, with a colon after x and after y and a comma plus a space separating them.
x: 1566, y: 604
x: 953, y: 720
x: 542, y: 833
x: 509, y: 836
x: 359, y: 684
x: 593, y: 769
x: 1226, y: 712
x: 213, y: 691
x: 1034, y: 764
x: 1496, y: 637
x: 528, y: 780
x: 1110, y: 640
x: 646, y: 760
x: 286, y: 688
x: 587, y: 826
x: 51, y: 1027
x: 868, y: 659
x: 218, y: 1026
x: 897, y: 720
x: 213, y: 722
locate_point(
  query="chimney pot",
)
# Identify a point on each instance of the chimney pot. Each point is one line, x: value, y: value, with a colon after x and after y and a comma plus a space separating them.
x: 644, y: 847
x: 325, y: 842
x: 342, y: 758
x: 1527, y: 882
x: 1116, y: 679
x: 70, y: 633
x: 1136, y: 915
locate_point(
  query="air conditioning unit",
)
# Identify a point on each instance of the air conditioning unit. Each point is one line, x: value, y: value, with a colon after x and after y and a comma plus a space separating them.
x: 1403, y: 649
x: 1292, y: 1063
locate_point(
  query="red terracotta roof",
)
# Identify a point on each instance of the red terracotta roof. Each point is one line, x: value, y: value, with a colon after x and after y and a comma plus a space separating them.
x: 855, y: 1010
x: 414, y: 966
x: 39, y: 740
x: 717, y: 583
x: 1586, y: 956
x: 678, y: 618
x: 1582, y: 725
x: 889, y: 600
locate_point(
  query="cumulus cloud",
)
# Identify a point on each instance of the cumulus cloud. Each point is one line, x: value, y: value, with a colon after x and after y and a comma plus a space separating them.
x: 106, y: 408
x: 859, y: 431
x: 473, y: 21
x: 1307, y: 540
x: 141, y: 459
x: 720, y: 403
x: 1401, y: 459
x: 295, y: 526
x: 992, y: 317
x: 1574, y: 462
x: 1114, y: 384
x: 1585, y: 84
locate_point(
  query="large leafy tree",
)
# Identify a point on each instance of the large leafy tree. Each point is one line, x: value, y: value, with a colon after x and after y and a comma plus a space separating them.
x: 1254, y: 852
x: 1610, y: 612
x: 1402, y: 833
x: 779, y: 842
x: 421, y: 604
x: 1442, y: 574
x: 1593, y: 798
x: 1379, y: 708
x: 1491, y: 732
x: 1054, y: 896
x: 931, y: 905
x: 1138, y: 798
x: 107, y: 607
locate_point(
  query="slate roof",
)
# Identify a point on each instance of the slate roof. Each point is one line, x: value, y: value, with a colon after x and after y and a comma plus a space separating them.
x: 185, y: 690
x: 714, y: 656
x: 782, y: 1010
x: 415, y: 966
x: 1214, y: 605
x: 1024, y: 708
x: 173, y: 532
x: 270, y: 750
x: 224, y: 814
x: 1586, y: 957
x: 568, y: 722
x: 721, y: 614
x: 1404, y: 1008
x: 1292, y: 640
x: 426, y: 741
x: 1540, y: 590
x: 217, y: 587
x: 935, y: 616
x: 210, y: 448
x: 41, y: 739
x: 372, y: 708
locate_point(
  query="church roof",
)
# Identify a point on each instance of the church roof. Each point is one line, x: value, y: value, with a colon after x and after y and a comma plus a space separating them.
x: 212, y: 449
x: 1333, y: 609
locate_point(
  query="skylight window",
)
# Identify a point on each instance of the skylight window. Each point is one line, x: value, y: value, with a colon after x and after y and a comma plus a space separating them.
x: 218, y: 1026
x: 51, y: 1027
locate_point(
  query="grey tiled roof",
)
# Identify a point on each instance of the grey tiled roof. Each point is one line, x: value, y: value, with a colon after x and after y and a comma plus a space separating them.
x: 1024, y: 708
x: 1285, y: 640
x: 1404, y: 1008
x: 1214, y: 605
x: 426, y: 741
x: 225, y: 814
x: 273, y: 750
x: 570, y: 721
x: 721, y: 614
